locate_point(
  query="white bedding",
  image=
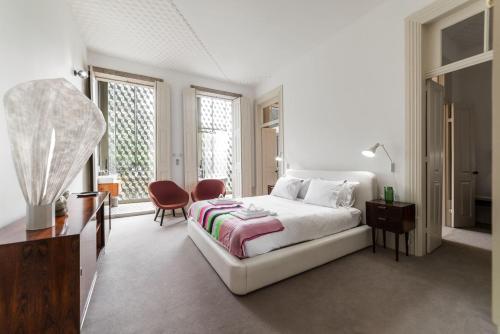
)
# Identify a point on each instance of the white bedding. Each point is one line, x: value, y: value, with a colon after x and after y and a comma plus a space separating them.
x: 302, y: 222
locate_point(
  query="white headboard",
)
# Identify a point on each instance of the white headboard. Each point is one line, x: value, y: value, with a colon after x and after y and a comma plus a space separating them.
x: 366, y: 191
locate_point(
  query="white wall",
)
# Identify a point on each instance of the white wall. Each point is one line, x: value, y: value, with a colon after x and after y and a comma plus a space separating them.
x: 348, y: 94
x: 177, y: 81
x: 39, y: 40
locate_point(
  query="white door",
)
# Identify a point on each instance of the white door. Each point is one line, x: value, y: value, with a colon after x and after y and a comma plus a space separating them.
x: 236, y: 179
x: 269, y: 153
x: 463, y: 168
x: 435, y: 107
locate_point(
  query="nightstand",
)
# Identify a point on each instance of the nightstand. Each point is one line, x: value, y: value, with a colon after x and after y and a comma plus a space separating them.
x: 396, y: 217
x: 269, y: 189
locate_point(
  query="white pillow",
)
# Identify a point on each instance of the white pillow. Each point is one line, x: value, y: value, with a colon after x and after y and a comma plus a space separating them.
x: 346, y: 196
x: 287, y: 187
x: 303, y: 188
x: 323, y: 193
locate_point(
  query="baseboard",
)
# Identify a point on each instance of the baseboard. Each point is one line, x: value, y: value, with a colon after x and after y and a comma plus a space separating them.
x: 131, y: 214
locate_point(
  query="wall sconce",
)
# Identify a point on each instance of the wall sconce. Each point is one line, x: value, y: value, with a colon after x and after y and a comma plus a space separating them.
x: 370, y: 153
x: 81, y: 73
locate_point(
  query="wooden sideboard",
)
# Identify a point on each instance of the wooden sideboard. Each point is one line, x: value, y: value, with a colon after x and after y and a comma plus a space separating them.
x: 47, y: 276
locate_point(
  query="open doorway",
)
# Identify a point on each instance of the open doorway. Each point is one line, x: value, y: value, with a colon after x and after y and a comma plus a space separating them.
x: 270, y: 158
x: 467, y: 155
x: 269, y: 140
x: 458, y: 127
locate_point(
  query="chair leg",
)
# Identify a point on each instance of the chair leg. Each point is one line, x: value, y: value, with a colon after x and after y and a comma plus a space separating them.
x: 173, y: 212
x: 162, y: 214
x: 184, y: 213
x: 157, y: 213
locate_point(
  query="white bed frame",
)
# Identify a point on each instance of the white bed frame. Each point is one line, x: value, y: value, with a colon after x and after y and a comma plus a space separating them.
x: 242, y: 276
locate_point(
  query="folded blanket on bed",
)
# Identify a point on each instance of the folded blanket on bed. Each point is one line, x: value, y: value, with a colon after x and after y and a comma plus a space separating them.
x: 230, y: 231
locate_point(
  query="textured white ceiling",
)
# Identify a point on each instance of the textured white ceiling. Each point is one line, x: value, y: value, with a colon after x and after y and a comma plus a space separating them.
x: 235, y: 40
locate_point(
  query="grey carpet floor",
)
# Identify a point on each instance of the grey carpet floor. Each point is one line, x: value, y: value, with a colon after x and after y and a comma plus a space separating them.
x: 153, y: 279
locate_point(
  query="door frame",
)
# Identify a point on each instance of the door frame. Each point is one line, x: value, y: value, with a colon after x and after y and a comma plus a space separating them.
x: 415, y: 122
x: 448, y: 176
x: 275, y: 95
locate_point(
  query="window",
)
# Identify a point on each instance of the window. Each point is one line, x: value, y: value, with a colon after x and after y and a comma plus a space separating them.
x: 271, y: 113
x: 463, y: 39
x: 215, y: 139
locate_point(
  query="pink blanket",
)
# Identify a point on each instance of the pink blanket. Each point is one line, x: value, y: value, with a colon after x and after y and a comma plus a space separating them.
x: 232, y: 232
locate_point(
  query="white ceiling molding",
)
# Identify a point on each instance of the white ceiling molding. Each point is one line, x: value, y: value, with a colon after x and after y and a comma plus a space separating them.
x: 231, y: 40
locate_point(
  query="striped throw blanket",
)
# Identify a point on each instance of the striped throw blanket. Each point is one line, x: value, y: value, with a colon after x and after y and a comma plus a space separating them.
x: 232, y: 232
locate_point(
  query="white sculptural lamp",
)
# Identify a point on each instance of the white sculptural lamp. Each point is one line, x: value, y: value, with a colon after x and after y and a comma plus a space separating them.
x: 53, y: 130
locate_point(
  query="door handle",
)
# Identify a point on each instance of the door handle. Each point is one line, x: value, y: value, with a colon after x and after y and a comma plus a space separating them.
x: 475, y: 172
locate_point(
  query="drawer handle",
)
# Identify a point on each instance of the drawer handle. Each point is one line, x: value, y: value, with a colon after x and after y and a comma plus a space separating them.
x: 381, y: 218
x: 382, y: 207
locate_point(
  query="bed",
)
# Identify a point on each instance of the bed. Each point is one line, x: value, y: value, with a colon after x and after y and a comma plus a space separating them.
x: 309, y: 239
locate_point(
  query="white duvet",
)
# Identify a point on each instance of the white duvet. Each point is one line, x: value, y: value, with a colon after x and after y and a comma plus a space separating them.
x: 302, y: 222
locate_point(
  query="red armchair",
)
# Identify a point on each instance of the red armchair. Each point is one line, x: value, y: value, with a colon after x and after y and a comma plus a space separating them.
x: 167, y: 195
x: 208, y: 189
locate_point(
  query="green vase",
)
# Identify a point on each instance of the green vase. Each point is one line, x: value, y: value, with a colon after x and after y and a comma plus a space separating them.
x: 389, y: 194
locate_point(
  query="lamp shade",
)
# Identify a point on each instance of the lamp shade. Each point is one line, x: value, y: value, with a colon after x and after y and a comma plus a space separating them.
x: 370, y: 152
x: 53, y: 130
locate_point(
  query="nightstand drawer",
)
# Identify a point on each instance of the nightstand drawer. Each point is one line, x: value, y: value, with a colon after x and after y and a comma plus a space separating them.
x: 387, y: 223
x: 381, y: 215
x: 386, y: 212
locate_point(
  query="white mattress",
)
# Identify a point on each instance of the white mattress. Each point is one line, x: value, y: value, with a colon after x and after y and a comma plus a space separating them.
x: 302, y: 222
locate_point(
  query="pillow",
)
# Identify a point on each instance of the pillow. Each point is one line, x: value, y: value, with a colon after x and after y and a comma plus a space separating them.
x: 323, y: 193
x: 303, y: 188
x: 287, y: 187
x: 346, y: 196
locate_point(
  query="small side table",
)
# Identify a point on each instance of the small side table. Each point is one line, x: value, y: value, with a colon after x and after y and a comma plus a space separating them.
x: 269, y: 189
x: 396, y: 217
x: 113, y: 189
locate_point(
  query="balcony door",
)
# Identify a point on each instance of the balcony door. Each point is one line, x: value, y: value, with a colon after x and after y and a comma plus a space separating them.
x: 128, y: 147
